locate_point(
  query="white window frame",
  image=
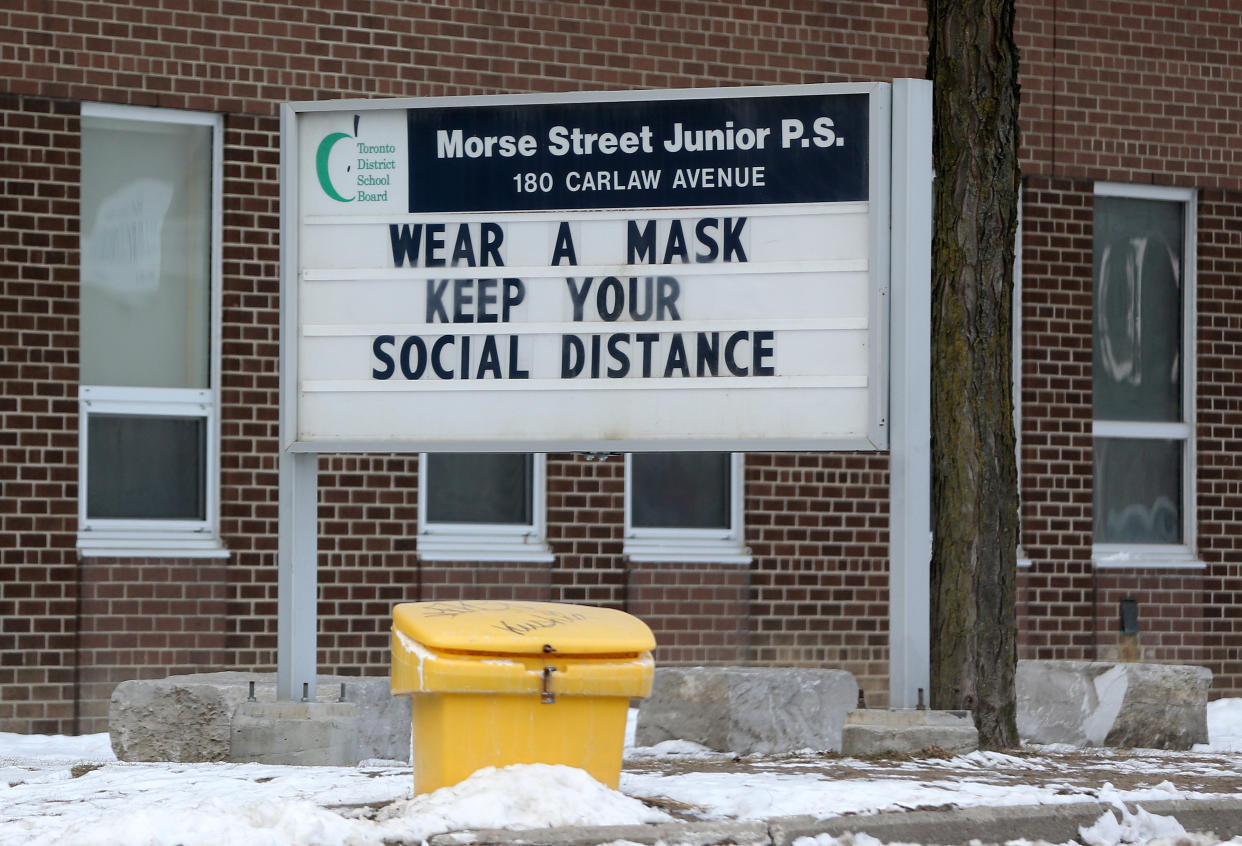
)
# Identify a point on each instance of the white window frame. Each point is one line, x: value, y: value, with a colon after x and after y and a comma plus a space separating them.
x: 487, y: 541
x: 1181, y: 556
x: 716, y: 546
x: 163, y: 538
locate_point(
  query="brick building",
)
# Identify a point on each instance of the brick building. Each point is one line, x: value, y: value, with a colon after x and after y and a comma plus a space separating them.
x: 144, y: 543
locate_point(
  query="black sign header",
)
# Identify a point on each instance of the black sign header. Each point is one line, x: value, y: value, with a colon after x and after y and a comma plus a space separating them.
x: 701, y: 151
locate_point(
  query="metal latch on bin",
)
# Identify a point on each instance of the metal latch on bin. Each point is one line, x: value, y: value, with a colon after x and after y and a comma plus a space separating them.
x: 546, y: 696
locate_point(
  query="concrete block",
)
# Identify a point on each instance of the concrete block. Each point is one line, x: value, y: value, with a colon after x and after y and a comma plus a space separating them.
x: 383, y: 719
x: 189, y: 718
x: 748, y: 710
x: 907, y: 732
x: 1083, y: 703
x: 299, y: 733
x: 181, y: 718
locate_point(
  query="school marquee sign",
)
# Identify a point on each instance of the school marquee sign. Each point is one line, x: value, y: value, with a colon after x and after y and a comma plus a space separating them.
x: 716, y: 269
x: 702, y: 269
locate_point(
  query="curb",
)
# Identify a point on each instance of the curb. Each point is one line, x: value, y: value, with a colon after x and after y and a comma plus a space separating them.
x: 1050, y: 823
x: 691, y: 834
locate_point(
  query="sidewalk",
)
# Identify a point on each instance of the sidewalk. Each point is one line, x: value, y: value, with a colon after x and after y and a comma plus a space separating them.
x: 1052, y: 824
x: 67, y: 791
x: 1039, y: 793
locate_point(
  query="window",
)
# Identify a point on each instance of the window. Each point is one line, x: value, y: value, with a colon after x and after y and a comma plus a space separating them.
x: 481, y: 507
x: 1143, y: 375
x: 149, y: 342
x: 684, y: 506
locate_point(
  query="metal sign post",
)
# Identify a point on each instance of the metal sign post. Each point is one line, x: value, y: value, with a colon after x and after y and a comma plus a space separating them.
x: 909, y: 552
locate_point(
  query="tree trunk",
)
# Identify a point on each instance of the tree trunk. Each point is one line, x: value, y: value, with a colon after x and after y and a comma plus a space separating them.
x: 973, y: 63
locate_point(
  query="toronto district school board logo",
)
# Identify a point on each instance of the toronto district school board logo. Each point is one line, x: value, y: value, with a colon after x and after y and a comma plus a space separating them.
x: 368, y: 174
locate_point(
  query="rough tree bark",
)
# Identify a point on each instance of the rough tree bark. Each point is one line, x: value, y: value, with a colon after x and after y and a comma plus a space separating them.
x: 973, y: 63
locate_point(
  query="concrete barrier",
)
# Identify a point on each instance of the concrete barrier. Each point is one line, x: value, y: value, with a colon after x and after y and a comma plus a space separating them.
x: 748, y: 710
x: 900, y: 731
x: 1083, y: 703
x: 196, y: 718
x: 293, y: 733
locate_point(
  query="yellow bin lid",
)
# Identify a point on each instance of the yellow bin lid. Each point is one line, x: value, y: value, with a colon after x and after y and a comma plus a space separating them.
x: 499, y: 627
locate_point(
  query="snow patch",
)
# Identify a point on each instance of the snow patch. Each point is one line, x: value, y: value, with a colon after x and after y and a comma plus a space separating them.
x: 672, y: 749
x: 1137, y: 827
x: 1224, y: 719
x: 521, y: 796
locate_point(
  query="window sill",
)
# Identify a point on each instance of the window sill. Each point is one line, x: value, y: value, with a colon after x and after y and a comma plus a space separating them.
x: 523, y: 548
x: 1155, y: 556
x: 92, y: 545
x: 698, y: 551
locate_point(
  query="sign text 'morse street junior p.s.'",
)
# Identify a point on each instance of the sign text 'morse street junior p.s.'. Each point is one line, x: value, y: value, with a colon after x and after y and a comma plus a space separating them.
x: 624, y: 271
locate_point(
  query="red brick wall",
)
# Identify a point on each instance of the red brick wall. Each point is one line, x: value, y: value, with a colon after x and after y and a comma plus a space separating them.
x: 38, y: 411
x: 699, y: 613
x: 249, y: 415
x: 1133, y: 93
x: 1054, y: 597
x: 586, y: 516
x: 818, y: 528
x: 246, y: 57
x: 1068, y: 608
x: 368, y: 519
x: 145, y: 619
x: 1219, y: 442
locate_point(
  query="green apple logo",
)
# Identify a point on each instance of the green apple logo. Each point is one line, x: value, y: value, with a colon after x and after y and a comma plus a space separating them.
x: 322, y: 155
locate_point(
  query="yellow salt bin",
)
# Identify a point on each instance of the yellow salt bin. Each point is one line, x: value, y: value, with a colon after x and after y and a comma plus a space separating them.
x: 494, y: 683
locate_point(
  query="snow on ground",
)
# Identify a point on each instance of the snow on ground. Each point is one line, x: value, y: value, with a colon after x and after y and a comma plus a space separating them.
x: 71, y: 790
x: 1224, y: 717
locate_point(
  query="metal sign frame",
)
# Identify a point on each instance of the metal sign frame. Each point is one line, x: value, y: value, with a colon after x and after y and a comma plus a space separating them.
x: 735, y: 414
